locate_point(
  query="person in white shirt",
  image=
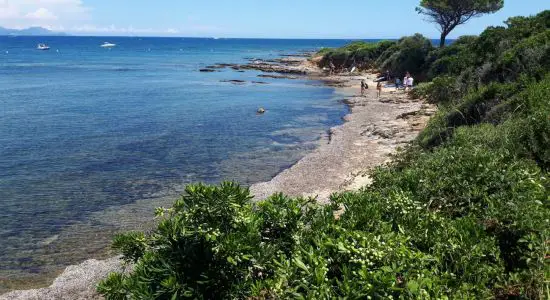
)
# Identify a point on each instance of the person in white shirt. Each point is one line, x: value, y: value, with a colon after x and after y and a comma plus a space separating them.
x: 410, y: 82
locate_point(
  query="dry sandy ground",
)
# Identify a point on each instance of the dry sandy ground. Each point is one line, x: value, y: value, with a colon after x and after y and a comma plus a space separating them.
x: 371, y: 132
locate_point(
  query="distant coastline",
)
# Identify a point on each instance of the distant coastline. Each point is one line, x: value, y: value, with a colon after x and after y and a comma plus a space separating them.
x: 40, y: 31
x: 31, y: 31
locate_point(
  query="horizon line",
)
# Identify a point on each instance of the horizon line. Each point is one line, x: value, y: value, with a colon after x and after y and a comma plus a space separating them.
x: 213, y: 38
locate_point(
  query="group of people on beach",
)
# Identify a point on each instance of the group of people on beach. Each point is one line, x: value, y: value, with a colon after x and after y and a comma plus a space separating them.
x: 407, y: 83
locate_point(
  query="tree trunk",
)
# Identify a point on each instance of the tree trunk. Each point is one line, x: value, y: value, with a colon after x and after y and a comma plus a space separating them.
x: 442, y: 39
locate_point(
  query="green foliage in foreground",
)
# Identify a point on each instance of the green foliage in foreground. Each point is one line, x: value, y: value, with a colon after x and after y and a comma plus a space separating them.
x: 468, y: 220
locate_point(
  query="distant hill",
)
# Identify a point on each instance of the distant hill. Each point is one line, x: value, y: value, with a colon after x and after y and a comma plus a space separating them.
x: 29, y: 31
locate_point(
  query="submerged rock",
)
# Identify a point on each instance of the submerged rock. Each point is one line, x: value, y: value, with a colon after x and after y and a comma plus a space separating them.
x: 277, y: 76
x: 219, y: 66
x: 234, y: 81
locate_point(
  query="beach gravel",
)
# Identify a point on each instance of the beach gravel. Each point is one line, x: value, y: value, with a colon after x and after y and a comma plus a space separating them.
x: 76, y: 282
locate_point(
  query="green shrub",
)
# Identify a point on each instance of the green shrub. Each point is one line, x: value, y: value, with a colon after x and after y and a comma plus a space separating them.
x: 357, y: 54
x: 211, y: 244
x: 441, y: 90
x: 531, y: 57
x: 450, y: 223
x: 323, y: 51
x: 408, y: 55
x: 453, y: 59
x: 475, y: 107
x: 531, y: 121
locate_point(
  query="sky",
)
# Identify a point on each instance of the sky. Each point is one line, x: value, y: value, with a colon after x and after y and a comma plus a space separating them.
x: 351, y: 19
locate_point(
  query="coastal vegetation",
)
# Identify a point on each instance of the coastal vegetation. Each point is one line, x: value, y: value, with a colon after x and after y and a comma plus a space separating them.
x: 462, y: 213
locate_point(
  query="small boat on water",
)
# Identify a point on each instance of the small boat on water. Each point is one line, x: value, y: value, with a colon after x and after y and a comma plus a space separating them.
x: 108, y: 45
x: 42, y: 47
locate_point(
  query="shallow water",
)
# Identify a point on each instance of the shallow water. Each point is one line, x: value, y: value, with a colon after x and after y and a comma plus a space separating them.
x: 92, y: 139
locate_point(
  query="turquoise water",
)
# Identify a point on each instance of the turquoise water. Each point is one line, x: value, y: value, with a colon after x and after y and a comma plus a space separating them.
x: 87, y: 131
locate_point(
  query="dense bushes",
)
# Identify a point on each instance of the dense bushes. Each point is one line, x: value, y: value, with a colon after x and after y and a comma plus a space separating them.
x: 463, y: 213
x: 408, y: 54
x: 499, y: 54
x: 452, y: 223
x: 442, y: 90
x: 358, y: 54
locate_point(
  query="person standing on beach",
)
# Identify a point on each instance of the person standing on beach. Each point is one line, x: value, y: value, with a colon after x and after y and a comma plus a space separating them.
x: 409, y: 83
x: 405, y: 80
x: 397, y: 83
x: 332, y: 67
x: 364, y: 86
x: 379, y: 88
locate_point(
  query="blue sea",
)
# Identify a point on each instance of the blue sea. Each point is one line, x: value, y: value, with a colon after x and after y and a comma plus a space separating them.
x: 93, y: 139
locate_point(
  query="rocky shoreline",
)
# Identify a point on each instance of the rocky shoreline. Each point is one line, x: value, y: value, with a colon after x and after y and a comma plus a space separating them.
x: 373, y: 130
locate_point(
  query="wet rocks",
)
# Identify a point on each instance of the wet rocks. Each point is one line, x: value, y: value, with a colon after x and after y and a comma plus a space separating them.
x: 287, y: 66
x: 234, y: 81
x: 335, y: 83
x: 223, y: 65
x: 273, y: 68
x: 348, y: 101
x: 217, y: 66
x: 277, y: 76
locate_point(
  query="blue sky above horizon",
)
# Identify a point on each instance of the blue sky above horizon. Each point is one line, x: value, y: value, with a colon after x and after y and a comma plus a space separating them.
x: 243, y: 18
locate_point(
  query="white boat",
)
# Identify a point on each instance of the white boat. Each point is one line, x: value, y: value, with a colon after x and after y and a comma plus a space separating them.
x: 108, y: 45
x: 42, y: 47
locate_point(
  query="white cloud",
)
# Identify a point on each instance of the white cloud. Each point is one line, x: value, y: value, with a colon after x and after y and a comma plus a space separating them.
x: 41, y: 14
x: 46, y: 13
x: 124, y: 30
x: 75, y: 16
